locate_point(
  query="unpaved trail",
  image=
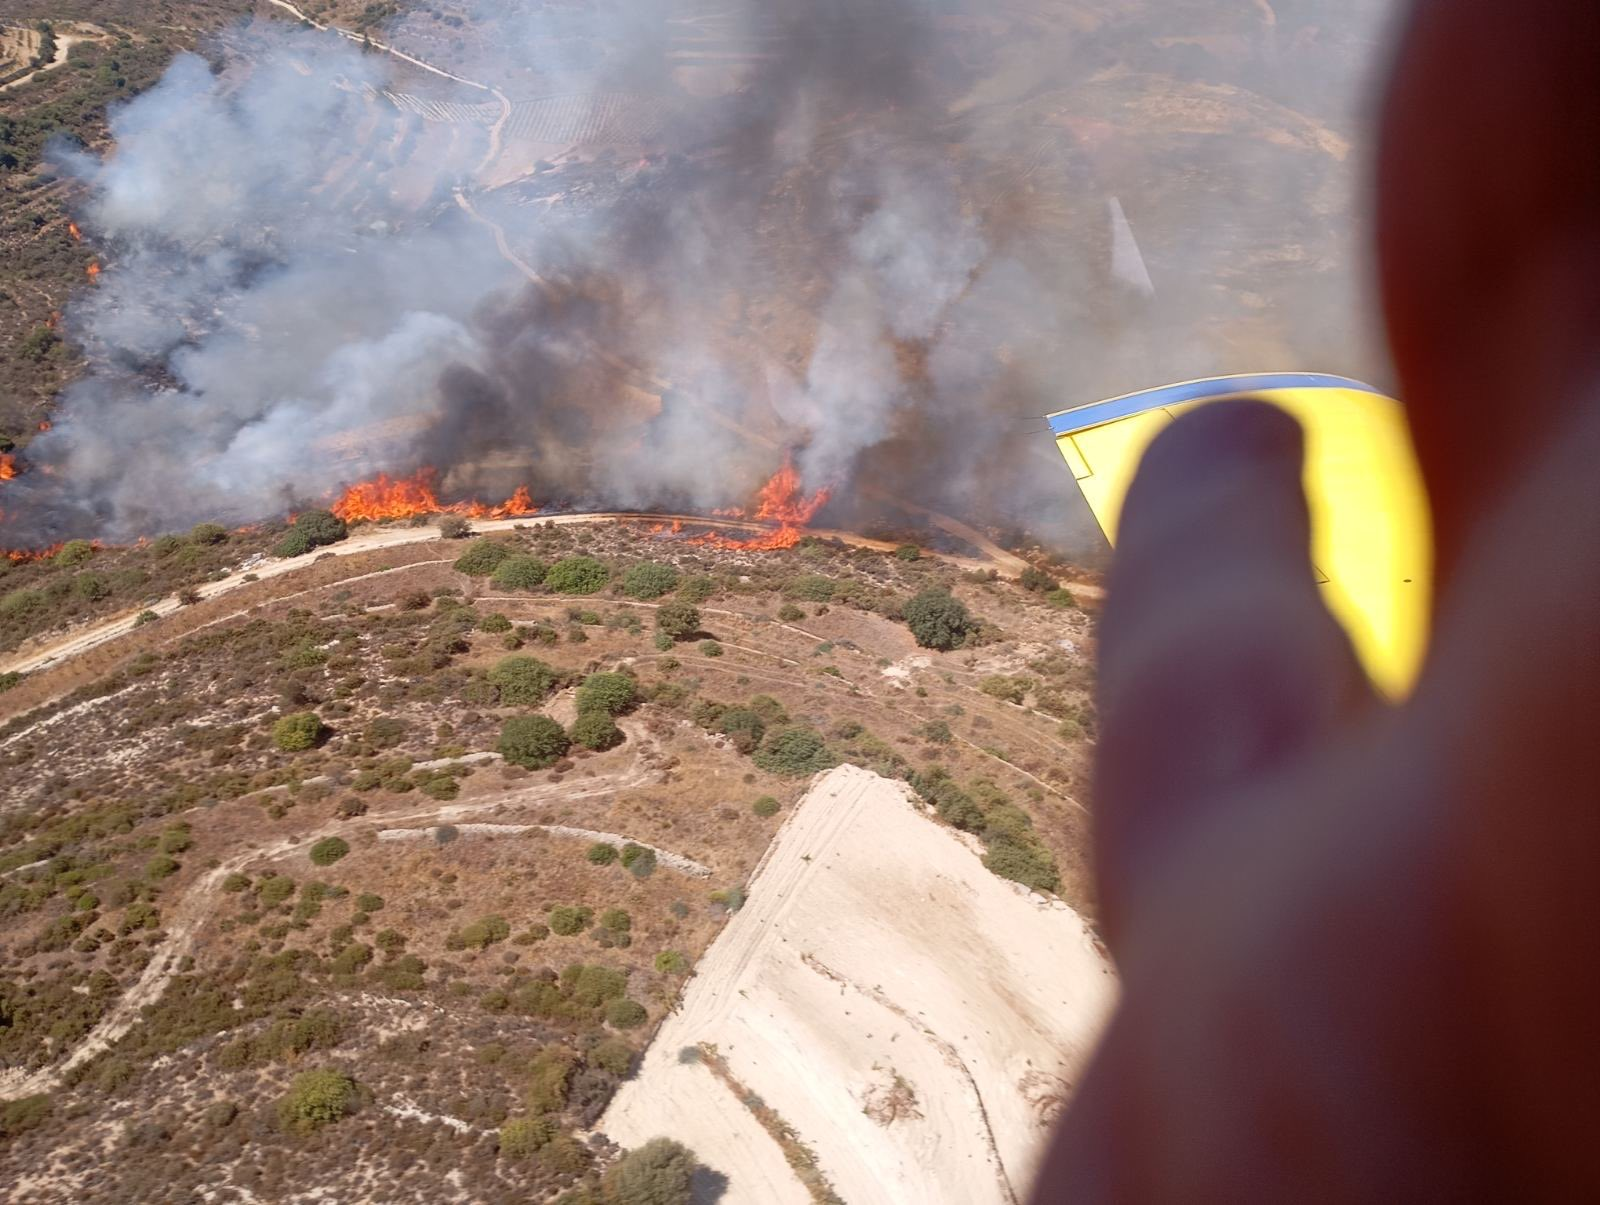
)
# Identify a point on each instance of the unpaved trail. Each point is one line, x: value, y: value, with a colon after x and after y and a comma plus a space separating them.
x: 874, y: 949
x: 664, y: 857
x: 182, y: 925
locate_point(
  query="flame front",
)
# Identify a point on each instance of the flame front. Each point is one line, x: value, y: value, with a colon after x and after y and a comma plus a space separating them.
x: 72, y: 229
x: 8, y: 466
x: 386, y: 497
x: 92, y: 271
x: 783, y: 501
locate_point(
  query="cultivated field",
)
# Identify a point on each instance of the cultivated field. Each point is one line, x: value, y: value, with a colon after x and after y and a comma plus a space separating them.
x: 914, y: 1020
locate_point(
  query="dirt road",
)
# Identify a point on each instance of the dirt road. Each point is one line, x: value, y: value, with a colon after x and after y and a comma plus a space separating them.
x: 877, y: 967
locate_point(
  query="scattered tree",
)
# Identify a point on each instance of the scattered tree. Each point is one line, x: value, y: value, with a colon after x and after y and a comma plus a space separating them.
x: 321, y: 527
x: 522, y: 681
x: 648, y: 579
x: 596, y: 730
x: 454, y: 527
x: 329, y: 850
x: 297, y: 731
x: 577, y: 575
x: 794, y: 750
x: 658, y: 1173
x: 520, y: 572
x: 938, y: 620
x: 532, y: 741
x: 677, y: 619
x: 315, y: 1099
x: 611, y: 693
x: 483, y: 557
x: 626, y: 1014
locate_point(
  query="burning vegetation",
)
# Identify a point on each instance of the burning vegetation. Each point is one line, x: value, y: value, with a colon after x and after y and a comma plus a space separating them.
x: 386, y: 497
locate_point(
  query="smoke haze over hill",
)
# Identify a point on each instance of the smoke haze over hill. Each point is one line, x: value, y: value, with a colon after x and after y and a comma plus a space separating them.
x: 879, y: 237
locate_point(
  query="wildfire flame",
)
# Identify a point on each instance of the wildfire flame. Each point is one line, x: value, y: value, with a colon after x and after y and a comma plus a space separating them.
x: 44, y: 424
x: 782, y: 501
x: 93, y: 271
x: 386, y: 497
x: 8, y: 466
x: 72, y: 229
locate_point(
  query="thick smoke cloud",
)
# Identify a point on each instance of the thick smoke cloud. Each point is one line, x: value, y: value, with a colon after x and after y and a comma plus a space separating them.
x: 881, y: 246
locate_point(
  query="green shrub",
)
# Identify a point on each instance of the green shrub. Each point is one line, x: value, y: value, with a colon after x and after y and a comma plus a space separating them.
x: 1037, y: 580
x: 617, y: 920
x: 765, y: 807
x: 810, y: 587
x: 274, y: 889
x: 144, y: 617
x: 236, y: 882
x: 482, y: 557
x: 710, y: 648
x: 316, y: 1099
x: 208, y: 533
x: 532, y: 741
x: 524, y: 1136
x: 160, y: 866
x: 367, y: 902
x: 384, y: 732
x: 790, y: 613
x: 793, y: 751
x: 596, y: 730
x: 454, y: 527
x: 613, y: 1056
x: 908, y: 552
x: 74, y: 553
x: 662, y: 641
x: 481, y: 934
x: 1026, y: 862
x: 494, y: 623
x: 640, y: 860
x: 743, y: 726
x: 297, y: 731
x: 23, y: 1114
x: 647, y: 579
x: 1008, y: 690
x: 612, y: 693
x: 602, y: 854
x: 175, y: 840
x: 936, y: 731
x: 520, y: 572
x: 658, y: 1173
x: 1062, y: 600
x: 568, y: 921
x: 577, y: 575
x: 329, y: 850
x: 937, y: 620
x: 294, y: 543
x: 522, y: 681
x: 321, y: 527
x: 626, y: 1014
x: 677, y: 619
x: 671, y: 962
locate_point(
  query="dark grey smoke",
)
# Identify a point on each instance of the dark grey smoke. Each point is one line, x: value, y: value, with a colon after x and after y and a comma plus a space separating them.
x: 885, y: 245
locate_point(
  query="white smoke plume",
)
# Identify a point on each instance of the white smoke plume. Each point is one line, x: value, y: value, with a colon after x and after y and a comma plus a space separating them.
x: 865, y: 248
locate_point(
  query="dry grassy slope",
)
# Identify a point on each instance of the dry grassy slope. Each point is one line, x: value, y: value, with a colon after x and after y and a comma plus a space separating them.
x: 173, y: 750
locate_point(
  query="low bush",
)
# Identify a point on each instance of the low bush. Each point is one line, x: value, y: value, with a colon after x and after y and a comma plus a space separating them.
x: 765, y: 807
x: 329, y: 850
x: 612, y: 693
x: 522, y: 681
x: 938, y: 620
x: 647, y: 579
x: 602, y: 854
x: 793, y: 751
x: 577, y: 575
x: 596, y: 730
x: 315, y: 1099
x: 483, y: 557
x: 297, y: 732
x: 520, y: 572
x: 568, y: 921
x: 626, y: 1014
x: 532, y: 741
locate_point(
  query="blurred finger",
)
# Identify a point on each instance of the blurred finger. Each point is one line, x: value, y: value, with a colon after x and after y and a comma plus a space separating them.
x: 1218, y: 658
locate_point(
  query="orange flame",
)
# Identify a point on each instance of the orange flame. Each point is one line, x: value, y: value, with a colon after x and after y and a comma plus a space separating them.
x: 386, y: 497
x: 44, y: 424
x: 782, y: 501
x: 72, y: 229
x: 93, y: 271
x: 8, y: 466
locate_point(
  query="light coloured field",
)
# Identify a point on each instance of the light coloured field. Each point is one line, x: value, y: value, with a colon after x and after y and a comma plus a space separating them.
x: 877, y: 968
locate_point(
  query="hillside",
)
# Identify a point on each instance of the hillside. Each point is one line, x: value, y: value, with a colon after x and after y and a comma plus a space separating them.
x: 208, y: 897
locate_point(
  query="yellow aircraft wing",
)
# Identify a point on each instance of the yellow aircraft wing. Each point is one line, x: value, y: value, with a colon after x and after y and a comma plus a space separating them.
x: 1371, y: 536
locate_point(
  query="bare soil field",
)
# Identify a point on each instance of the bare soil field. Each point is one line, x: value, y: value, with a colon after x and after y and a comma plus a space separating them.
x: 877, y: 969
